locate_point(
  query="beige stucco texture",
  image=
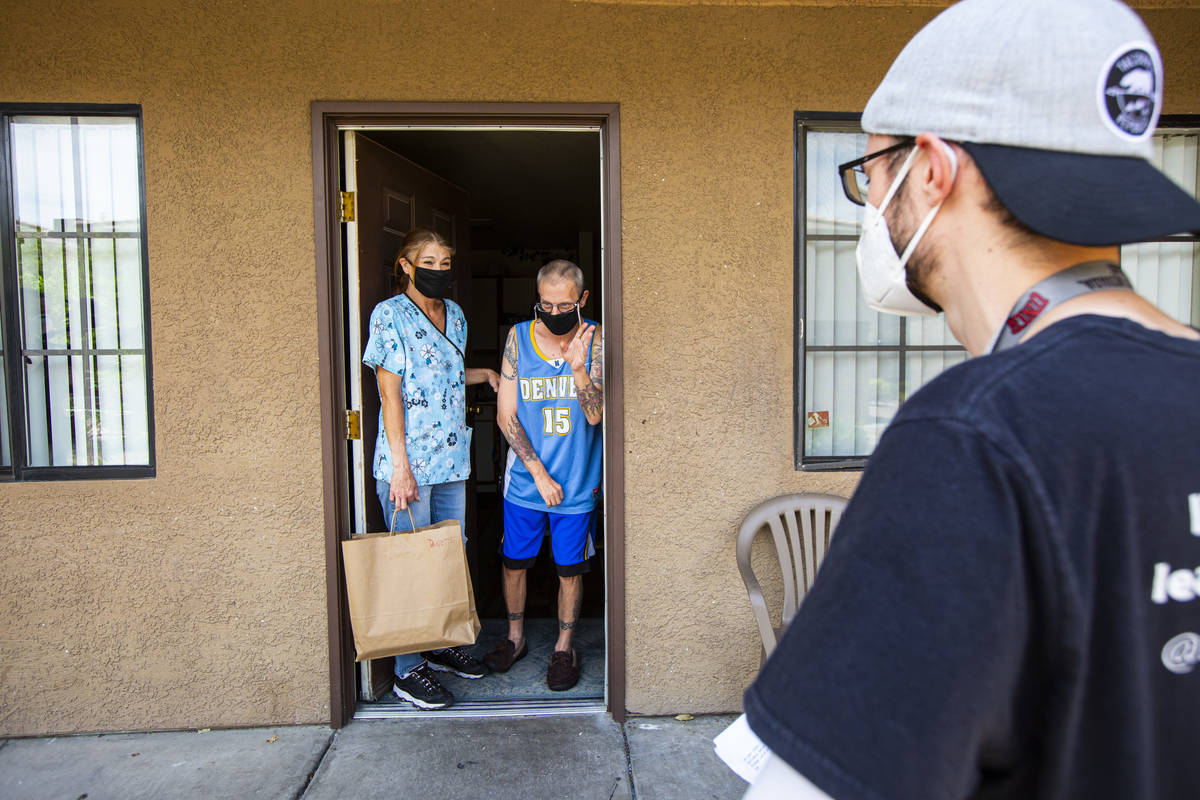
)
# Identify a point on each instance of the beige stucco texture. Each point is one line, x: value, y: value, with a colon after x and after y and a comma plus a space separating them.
x: 197, y: 598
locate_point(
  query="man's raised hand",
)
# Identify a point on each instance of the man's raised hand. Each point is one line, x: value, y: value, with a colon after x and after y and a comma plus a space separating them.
x: 577, y: 350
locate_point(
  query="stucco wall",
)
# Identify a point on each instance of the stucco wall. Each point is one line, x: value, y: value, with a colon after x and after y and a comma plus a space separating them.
x: 198, y: 598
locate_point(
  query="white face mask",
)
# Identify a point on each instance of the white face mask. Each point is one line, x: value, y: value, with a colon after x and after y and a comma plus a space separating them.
x: 880, y: 271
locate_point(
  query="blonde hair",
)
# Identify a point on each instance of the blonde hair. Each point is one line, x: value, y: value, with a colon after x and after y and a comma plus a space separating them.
x: 414, y: 242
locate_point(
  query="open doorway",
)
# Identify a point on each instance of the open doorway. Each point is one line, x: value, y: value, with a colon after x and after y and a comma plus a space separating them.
x: 510, y: 198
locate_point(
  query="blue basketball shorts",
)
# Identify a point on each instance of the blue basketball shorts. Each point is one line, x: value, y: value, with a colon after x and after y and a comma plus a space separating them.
x: 570, y: 538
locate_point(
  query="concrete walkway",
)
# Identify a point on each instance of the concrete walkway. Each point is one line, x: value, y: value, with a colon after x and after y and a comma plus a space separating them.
x: 491, y: 758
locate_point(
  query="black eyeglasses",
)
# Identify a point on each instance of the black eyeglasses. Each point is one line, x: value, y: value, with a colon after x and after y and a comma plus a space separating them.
x: 854, y: 177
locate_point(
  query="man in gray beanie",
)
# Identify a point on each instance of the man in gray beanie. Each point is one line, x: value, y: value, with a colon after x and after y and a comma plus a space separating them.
x: 1006, y: 608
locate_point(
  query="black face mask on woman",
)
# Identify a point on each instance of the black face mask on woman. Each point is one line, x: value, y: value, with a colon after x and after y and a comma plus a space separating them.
x: 433, y: 282
x: 559, y: 324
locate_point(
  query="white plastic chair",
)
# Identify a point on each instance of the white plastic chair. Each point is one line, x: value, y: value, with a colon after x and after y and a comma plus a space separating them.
x: 801, y: 525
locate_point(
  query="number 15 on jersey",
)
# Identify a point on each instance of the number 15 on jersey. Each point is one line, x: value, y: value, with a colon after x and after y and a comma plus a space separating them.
x: 556, y: 421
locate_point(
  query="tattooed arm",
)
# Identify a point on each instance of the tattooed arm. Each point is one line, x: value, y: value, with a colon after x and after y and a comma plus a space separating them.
x: 589, y: 385
x: 510, y: 426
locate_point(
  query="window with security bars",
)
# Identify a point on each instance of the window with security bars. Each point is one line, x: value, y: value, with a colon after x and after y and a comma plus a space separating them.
x: 76, y: 378
x: 854, y: 366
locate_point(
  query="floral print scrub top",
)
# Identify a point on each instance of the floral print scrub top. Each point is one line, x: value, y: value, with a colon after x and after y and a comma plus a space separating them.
x: 404, y: 341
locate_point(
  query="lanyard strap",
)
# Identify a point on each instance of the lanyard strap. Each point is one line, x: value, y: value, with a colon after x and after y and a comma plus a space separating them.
x: 1091, y: 276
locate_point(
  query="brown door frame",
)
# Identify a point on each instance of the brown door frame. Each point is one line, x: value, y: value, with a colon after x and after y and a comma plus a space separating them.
x: 327, y: 117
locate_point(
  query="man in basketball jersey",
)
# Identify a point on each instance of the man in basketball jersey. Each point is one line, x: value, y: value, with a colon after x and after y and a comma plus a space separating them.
x: 551, y: 404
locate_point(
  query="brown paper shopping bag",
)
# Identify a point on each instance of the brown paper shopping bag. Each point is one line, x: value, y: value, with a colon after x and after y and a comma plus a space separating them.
x: 409, y: 591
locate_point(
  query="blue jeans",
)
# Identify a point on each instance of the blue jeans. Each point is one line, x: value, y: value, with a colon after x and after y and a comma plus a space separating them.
x: 438, y: 501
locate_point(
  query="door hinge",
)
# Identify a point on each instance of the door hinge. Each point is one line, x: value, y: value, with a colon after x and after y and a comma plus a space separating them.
x: 353, y: 431
x: 347, y: 211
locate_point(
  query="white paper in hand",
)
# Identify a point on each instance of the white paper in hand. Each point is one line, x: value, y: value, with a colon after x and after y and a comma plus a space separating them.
x: 741, y: 750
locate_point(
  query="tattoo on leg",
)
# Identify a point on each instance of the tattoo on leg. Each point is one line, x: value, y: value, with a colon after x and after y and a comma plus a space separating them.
x: 566, y: 626
x: 516, y: 615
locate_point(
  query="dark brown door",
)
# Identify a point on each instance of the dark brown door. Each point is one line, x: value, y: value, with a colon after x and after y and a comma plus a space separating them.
x: 391, y: 196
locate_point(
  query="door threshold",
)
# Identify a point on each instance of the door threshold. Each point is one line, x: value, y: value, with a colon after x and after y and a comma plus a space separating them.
x: 508, y: 708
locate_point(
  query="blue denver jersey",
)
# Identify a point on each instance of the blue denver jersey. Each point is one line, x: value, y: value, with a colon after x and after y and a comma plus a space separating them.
x: 567, y: 444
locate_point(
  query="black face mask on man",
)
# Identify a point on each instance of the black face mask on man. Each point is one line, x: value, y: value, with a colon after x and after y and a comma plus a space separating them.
x: 559, y: 324
x: 432, y: 282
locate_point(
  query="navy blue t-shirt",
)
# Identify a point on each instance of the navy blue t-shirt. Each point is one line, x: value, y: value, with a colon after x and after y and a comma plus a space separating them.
x: 1006, y: 610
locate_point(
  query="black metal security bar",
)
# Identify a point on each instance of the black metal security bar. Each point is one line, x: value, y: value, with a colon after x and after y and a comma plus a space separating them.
x: 90, y: 299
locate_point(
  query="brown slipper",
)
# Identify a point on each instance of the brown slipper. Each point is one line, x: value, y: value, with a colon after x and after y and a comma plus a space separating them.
x: 504, y: 655
x: 564, y: 670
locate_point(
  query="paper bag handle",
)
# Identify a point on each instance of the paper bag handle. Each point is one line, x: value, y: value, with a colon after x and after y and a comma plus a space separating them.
x: 392, y: 527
